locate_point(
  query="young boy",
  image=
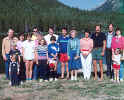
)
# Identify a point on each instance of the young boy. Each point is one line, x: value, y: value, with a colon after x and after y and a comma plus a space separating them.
x: 53, y: 50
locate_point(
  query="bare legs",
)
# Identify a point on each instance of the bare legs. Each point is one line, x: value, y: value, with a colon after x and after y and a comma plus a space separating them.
x: 74, y: 75
x: 29, y: 67
x: 95, y: 69
x: 63, y: 69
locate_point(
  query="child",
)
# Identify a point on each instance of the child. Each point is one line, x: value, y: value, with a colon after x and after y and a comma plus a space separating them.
x: 22, y: 75
x: 73, y: 51
x: 52, y: 58
x: 41, y: 56
x: 28, y: 55
x: 14, y: 70
x: 63, y: 41
x: 116, y: 63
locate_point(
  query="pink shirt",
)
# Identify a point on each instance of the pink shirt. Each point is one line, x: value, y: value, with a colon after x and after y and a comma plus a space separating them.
x: 117, y: 42
x: 19, y: 46
x: 86, y: 44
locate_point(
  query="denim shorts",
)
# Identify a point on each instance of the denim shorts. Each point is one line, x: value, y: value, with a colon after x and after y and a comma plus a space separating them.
x: 96, y: 54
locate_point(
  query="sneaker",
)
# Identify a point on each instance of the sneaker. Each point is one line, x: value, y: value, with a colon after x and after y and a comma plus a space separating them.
x: 21, y: 83
x: 75, y: 78
x: 45, y: 80
x: 41, y: 80
x: 56, y: 79
x: 51, y: 79
x: 121, y: 80
x: 72, y: 78
x: 10, y: 83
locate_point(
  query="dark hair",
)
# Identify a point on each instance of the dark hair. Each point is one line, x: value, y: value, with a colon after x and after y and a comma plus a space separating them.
x: 87, y: 30
x: 117, y: 29
x: 21, y: 34
x: 51, y: 27
x: 29, y: 35
x: 65, y: 28
x: 53, y: 38
x: 98, y: 25
x: 45, y: 43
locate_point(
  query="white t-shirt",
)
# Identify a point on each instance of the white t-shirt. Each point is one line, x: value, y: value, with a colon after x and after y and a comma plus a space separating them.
x: 48, y: 36
x: 116, y: 59
x: 29, y: 48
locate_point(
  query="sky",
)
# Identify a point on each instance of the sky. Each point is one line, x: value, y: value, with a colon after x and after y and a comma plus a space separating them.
x: 83, y: 4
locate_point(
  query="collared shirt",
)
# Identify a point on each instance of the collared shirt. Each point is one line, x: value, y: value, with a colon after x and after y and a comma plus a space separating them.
x: 98, y: 39
x: 73, y: 45
x: 48, y: 36
x: 6, y: 45
x: 63, y: 42
x: 109, y: 39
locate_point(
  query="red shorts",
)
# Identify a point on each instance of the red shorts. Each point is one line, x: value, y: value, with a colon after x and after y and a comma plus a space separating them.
x: 117, y: 67
x: 63, y: 57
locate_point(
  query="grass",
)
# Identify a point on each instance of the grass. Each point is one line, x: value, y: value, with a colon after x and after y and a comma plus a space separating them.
x: 63, y: 90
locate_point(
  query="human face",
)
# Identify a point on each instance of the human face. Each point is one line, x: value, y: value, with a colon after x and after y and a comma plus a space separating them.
x: 64, y: 32
x: 118, y: 32
x: 98, y: 29
x: 29, y: 38
x: 42, y: 42
x: 21, y: 38
x: 51, y: 31
x: 86, y: 34
x: 39, y: 37
x: 110, y: 28
x: 53, y: 41
x: 10, y: 33
x: 73, y: 34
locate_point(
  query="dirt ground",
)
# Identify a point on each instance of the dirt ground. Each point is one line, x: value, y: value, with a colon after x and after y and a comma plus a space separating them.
x: 63, y: 90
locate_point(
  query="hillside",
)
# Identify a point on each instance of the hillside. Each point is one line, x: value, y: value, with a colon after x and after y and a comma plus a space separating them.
x: 22, y: 15
x: 110, y: 5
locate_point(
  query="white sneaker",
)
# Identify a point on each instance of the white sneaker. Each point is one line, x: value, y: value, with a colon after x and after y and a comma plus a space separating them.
x: 75, y: 78
x: 21, y: 83
x: 51, y: 79
x: 10, y: 83
x: 121, y: 80
x: 41, y: 80
x: 45, y: 80
x: 56, y: 79
x: 72, y: 78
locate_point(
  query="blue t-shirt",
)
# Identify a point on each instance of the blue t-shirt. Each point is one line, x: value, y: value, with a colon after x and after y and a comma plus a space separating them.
x: 53, y: 48
x: 63, y: 42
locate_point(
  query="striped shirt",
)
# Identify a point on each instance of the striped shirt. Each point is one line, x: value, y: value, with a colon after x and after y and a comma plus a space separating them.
x: 42, y: 51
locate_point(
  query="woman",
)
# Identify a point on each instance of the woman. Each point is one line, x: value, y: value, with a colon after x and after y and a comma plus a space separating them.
x: 117, y: 42
x: 73, y: 52
x: 86, y: 46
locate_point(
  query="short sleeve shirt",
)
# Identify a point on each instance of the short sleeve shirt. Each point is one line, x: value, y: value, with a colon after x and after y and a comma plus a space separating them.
x: 98, y: 39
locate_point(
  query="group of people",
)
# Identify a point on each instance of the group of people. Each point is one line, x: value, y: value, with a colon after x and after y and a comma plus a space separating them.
x: 37, y: 56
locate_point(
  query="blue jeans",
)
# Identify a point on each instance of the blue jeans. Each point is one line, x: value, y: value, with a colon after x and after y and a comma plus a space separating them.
x: 121, y: 73
x: 35, y: 69
x: 7, y: 66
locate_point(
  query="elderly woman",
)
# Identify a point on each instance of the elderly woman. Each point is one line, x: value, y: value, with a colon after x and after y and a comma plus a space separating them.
x: 86, y: 46
x: 73, y: 52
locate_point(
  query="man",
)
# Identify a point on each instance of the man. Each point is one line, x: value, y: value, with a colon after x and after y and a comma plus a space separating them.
x: 6, y: 47
x: 63, y: 42
x: 109, y: 36
x: 48, y: 36
x: 99, y: 40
